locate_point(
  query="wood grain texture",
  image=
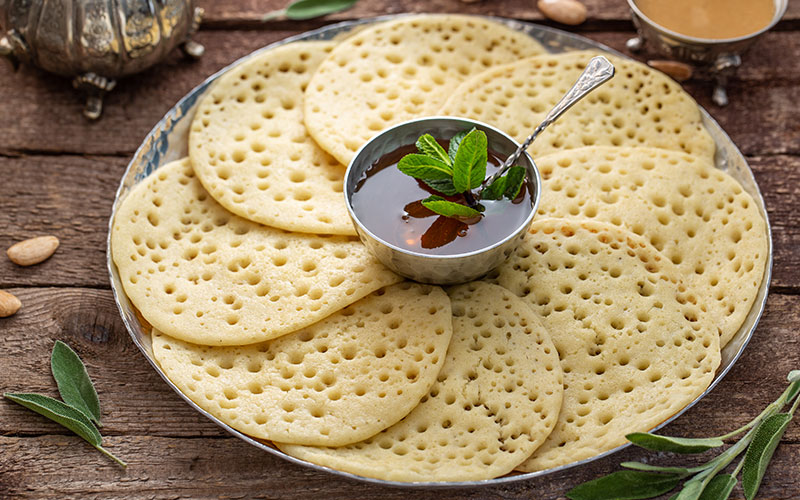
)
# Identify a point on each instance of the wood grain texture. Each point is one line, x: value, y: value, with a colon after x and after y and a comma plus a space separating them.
x: 44, y: 112
x: 58, y: 175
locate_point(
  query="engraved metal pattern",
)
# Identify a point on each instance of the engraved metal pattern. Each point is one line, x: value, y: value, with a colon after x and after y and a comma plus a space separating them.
x: 168, y: 141
x: 96, y: 40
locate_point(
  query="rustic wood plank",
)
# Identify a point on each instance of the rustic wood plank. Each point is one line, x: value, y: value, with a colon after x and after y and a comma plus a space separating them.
x: 43, y: 114
x: 251, y: 11
x: 136, y: 401
x: 63, y: 467
x: 71, y: 197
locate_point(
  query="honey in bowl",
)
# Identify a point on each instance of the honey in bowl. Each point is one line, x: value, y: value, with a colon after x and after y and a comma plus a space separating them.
x: 388, y: 203
x: 710, y: 19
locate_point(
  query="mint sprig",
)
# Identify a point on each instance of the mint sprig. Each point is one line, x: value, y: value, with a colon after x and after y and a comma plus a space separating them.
x: 705, y: 482
x: 80, y: 410
x: 459, y: 170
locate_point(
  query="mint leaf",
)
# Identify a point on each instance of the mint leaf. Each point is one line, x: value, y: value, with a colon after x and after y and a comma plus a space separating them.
x: 469, y: 167
x: 760, y: 451
x: 448, y: 208
x: 428, y: 146
x: 444, y: 186
x: 507, y: 185
x: 625, y: 485
x: 719, y: 488
x: 515, y: 175
x: 424, y: 167
x: 655, y: 442
x: 73, y: 381
x: 455, y: 142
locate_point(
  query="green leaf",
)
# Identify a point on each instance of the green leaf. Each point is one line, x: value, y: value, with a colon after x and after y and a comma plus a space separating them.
x: 759, y: 452
x: 309, y: 9
x: 424, y: 167
x: 655, y: 442
x: 794, y: 389
x: 691, y: 490
x: 427, y: 145
x: 719, y: 488
x: 455, y: 141
x: 448, y: 208
x: 444, y: 186
x: 73, y: 381
x: 59, y: 412
x: 515, y: 175
x: 495, y: 190
x: 469, y: 167
x: 625, y: 485
x: 680, y: 471
x: 794, y: 376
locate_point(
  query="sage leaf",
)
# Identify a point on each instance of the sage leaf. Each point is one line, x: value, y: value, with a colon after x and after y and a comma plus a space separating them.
x: 444, y: 186
x: 469, y: 167
x: 759, y: 452
x: 73, y: 381
x: 680, y: 471
x: 794, y: 376
x: 691, y: 490
x: 424, y: 167
x: 719, y: 488
x: 455, y: 142
x: 428, y: 146
x: 655, y: 442
x: 309, y: 9
x: 625, y: 485
x: 448, y: 208
x: 58, y: 412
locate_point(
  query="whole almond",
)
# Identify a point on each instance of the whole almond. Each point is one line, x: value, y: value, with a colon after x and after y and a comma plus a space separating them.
x: 8, y: 304
x: 677, y: 70
x: 32, y: 251
x: 563, y: 11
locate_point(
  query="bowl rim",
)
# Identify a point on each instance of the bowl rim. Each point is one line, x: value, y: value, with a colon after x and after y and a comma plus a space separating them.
x: 780, y: 10
x: 536, y: 195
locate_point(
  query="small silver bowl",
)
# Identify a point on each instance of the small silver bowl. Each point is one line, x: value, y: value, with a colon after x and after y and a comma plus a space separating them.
x: 438, y: 269
x: 720, y: 57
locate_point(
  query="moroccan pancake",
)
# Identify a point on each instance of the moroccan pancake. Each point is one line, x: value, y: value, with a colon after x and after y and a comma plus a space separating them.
x: 635, y: 345
x: 401, y: 69
x: 250, y: 149
x: 335, y: 382
x: 640, y: 106
x: 201, y: 274
x: 695, y: 214
x: 494, y: 402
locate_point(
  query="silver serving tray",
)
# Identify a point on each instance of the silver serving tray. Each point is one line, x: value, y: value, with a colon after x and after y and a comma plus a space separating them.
x: 168, y: 141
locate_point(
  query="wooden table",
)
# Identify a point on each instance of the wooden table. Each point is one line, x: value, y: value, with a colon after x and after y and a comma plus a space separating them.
x: 58, y: 175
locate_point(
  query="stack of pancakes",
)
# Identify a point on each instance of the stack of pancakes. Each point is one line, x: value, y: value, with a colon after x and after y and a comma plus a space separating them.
x: 269, y: 313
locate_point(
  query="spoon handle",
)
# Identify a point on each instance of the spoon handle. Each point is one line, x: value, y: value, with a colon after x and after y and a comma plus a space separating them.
x: 597, y: 72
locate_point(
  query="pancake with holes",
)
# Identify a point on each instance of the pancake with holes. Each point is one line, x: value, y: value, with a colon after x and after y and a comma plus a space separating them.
x: 251, y: 151
x: 201, y: 274
x: 640, y: 106
x: 695, y: 214
x: 634, y: 346
x: 494, y: 402
x: 336, y: 382
x: 401, y: 69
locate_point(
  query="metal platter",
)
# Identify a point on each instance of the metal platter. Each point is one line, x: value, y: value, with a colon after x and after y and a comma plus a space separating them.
x: 168, y: 141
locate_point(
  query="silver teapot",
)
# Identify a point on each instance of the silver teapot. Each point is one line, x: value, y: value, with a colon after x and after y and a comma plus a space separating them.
x: 97, y: 41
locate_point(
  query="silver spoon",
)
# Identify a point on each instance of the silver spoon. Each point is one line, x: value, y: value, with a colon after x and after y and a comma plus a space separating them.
x: 597, y: 72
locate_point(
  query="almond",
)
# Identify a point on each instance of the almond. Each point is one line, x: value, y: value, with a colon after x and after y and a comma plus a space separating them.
x: 677, y: 70
x: 32, y: 251
x: 9, y: 304
x: 563, y: 11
